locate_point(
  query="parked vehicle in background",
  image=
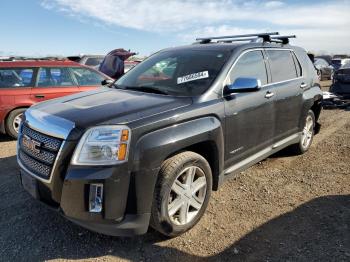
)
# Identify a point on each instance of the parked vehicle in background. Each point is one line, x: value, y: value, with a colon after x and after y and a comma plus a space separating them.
x: 150, y: 150
x: 88, y: 60
x: 328, y: 58
x: 341, y: 82
x: 339, y: 62
x: 130, y: 64
x: 27, y: 82
x: 325, y: 69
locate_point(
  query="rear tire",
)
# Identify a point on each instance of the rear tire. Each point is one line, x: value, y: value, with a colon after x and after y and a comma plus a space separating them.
x: 306, y: 136
x: 14, y: 121
x: 182, y: 193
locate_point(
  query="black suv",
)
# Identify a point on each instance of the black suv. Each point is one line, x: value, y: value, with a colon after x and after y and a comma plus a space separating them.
x: 150, y: 148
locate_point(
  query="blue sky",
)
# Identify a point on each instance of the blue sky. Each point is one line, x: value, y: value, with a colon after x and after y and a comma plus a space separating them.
x: 68, y: 27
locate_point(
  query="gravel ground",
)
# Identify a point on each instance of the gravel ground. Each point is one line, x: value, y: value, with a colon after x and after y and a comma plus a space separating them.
x: 286, y: 208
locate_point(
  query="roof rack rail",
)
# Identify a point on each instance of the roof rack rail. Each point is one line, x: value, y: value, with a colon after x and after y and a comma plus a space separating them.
x: 284, y: 38
x: 237, y: 40
x: 264, y: 36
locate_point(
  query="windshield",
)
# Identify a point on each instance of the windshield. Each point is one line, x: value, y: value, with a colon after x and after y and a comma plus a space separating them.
x: 184, y: 73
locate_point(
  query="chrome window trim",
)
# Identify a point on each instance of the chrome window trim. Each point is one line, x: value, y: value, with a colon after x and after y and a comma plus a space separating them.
x: 226, y: 80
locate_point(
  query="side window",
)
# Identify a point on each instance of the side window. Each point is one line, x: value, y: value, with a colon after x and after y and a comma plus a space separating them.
x: 252, y: 65
x: 282, y: 65
x: 297, y: 65
x: 16, y: 77
x: 86, y: 77
x: 54, y: 76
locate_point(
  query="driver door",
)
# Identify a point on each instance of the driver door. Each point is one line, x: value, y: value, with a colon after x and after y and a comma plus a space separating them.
x: 249, y: 116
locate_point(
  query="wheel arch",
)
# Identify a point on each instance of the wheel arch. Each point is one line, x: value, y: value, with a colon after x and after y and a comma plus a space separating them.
x: 4, y: 124
x: 203, y: 136
x: 312, y: 101
x: 210, y: 152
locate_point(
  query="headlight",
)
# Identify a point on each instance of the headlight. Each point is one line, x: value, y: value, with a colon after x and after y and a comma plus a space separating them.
x: 103, y: 145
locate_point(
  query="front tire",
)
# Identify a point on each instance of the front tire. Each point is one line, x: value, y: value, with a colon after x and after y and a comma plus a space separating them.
x: 14, y: 121
x: 182, y: 193
x: 307, y: 135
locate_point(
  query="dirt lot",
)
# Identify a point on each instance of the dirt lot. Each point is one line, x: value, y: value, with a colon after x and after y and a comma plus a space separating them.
x: 287, y: 208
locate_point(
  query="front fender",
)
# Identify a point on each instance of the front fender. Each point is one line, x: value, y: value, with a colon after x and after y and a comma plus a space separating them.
x: 153, y: 148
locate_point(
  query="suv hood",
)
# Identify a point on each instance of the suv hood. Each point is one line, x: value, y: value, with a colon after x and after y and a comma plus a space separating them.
x: 109, y: 105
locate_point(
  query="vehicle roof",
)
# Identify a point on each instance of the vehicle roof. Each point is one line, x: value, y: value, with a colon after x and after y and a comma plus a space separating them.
x: 38, y: 63
x: 92, y: 56
x: 231, y: 46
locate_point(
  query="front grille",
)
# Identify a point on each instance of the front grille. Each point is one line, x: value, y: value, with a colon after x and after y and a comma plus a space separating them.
x: 40, y: 158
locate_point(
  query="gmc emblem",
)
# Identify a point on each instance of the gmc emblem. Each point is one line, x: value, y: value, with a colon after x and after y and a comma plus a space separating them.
x: 31, y: 144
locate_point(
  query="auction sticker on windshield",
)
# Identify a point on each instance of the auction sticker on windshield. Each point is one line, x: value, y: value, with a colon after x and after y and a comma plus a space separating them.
x: 192, y: 77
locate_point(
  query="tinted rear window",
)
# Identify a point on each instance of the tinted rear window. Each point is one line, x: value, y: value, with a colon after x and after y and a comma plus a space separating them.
x: 282, y: 65
x: 16, y: 77
x: 297, y: 65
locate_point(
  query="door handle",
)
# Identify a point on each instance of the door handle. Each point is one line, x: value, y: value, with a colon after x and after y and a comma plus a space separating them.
x: 303, y: 85
x: 269, y: 94
x: 39, y: 96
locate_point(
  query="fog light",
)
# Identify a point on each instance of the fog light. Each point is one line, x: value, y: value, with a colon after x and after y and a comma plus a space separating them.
x: 95, y: 198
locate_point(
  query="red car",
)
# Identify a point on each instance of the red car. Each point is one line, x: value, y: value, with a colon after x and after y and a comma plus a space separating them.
x: 26, y: 82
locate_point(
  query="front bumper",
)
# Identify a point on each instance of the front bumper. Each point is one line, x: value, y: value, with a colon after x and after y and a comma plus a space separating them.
x: 131, y: 225
x: 127, y: 195
x: 127, y: 198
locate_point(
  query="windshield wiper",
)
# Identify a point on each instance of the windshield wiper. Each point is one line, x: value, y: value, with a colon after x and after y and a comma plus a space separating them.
x: 148, y: 89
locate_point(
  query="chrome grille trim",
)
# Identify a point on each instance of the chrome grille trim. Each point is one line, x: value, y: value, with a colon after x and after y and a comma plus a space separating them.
x: 34, y: 165
x: 21, y: 152
x: 43, y: 156
x: 49, y: 143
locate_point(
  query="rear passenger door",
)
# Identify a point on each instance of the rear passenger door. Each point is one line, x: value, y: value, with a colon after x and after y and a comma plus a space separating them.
x: 15, y: 88
x: 53, y: 82
x: 249, y: 116
x: 87, y: 79
x: 287, y: 84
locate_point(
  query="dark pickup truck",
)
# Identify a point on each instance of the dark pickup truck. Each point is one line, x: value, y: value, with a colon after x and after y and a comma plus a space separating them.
x: 150, y: 148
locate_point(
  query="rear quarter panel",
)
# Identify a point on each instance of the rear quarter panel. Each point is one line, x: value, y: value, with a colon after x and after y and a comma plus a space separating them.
x: 313, y: 93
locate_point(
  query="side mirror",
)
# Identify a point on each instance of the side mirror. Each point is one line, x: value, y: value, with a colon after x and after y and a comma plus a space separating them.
x: 107, y: 82
x: 242, y: 85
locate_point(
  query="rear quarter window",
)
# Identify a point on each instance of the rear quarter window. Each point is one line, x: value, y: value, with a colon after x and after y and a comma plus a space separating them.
x: 282, y: 65
x: 297, y: 65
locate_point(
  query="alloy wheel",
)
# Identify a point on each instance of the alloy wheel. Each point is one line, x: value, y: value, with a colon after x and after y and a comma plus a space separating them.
x: 307, y: 133
x: 187, y: 195
x: 17, y: 122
